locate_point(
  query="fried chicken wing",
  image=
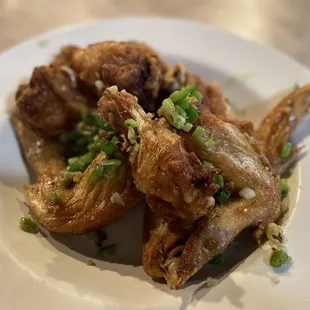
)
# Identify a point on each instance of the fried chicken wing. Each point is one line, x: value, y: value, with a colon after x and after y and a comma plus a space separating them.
x: 86, y: 206
x: 235, y: 155
x: 132, y: 66
x: 50, y: 102
x: 278, y: 126
x: 161, y: 166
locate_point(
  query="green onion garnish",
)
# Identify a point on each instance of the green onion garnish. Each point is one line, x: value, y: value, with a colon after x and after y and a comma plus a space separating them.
x: 209, y: 143
x: 55, y: 197
x: 222, y: 195
x: 81, y: 163
x: 216, y: 260
x: 286, y: 149
x: 179, y: 95
x: 130, y: 123
x: 206, y: 164
x: 107, y: 169
x: 178, y: 110
x: 192, y: 114
x: 197, y: 94
x: 218, y: 179
x: 28, y: 225
x: 107, y: 251
x: 279, y: 258
x: 283, y: 188
x: 198, y: 133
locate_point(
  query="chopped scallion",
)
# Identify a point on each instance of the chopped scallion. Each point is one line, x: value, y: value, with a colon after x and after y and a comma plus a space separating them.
x: 209, y: 143
x: 218, y: 179
x: 279, y: 258
x: 206, y: 164
x: 130, y: 123
x: 222, y: 195
x: 28, y: 225
x: 55, y: 197
x: 107, y: 169
x: 198, y: 133
x: 192, y: 114
x: 286, y: 149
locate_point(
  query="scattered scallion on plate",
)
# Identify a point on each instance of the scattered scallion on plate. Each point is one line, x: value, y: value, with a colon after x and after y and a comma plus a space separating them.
x: 28, y: 225
x: 279, y: 258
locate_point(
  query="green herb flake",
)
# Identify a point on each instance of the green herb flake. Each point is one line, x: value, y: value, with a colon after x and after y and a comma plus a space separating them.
x: 130, y: 123
x: 206, y: 164
x: 279, y: 258
x: 209, y: 143
x: 286, y: 149
x: 28, y: 225
x: 218, y: 179
x: 55, y: 198
x: 107, y: 169
x: 222, y: 195
x: 198, y: 133
x: 43, y: 43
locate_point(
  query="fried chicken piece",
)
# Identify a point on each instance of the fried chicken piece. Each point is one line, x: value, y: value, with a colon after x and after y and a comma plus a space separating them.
x: 50, y: 102
x: 86, y: 206
x: 163, y: 240
x: 161, y: 166
x: 42, y: 154
x: 278, y: 126
x: 65, y: 56
x: 132, y: 66
x: 235, y: 155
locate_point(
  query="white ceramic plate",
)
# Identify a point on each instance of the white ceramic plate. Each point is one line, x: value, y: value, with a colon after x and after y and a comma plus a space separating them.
x: 49, y: 272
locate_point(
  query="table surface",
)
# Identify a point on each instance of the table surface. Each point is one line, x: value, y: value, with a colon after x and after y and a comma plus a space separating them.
x: 283, y: 24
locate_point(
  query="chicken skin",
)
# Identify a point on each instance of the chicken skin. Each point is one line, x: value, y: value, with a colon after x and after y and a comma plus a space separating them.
x: 132, y: 66
x: 83, y: 208
x: 278, y: 126
x: 50, y: 102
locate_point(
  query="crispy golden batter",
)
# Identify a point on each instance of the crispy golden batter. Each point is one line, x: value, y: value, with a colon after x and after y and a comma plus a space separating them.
x: 278, y: 126
x: 161, y: 166
x: 85, y: 207
x: 132, y: 66
x: 50, y: 102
